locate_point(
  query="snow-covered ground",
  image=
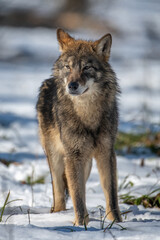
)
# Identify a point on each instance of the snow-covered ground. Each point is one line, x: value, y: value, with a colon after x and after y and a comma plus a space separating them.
x: 29, y: 218
x: 26, y: 58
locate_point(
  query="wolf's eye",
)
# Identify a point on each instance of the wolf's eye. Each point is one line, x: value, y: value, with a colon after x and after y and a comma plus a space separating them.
x: 87, y: 68
x: 67, y: 67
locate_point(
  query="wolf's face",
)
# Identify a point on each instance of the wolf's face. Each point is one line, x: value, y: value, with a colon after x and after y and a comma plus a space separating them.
x: 79, y: 73
x: 81, y: 64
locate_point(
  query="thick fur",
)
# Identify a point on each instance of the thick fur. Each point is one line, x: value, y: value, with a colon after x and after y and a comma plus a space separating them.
x: 78, y: 117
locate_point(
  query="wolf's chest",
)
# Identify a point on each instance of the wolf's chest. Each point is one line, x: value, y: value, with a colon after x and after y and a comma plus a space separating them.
x: 90, y: 113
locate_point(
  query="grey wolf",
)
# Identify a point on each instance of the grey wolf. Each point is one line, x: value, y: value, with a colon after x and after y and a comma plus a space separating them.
x: 78, y: 118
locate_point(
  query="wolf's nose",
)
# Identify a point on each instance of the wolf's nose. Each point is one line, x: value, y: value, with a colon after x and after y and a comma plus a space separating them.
x: 73, y: 86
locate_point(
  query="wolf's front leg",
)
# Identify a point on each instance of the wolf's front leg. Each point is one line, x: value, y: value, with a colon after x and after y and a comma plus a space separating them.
x: 74, y: 169
x: 56, y: 164
x: 106, y: 162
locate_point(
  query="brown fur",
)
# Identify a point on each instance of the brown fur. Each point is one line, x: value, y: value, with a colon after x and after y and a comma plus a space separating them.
x: 77, y: 113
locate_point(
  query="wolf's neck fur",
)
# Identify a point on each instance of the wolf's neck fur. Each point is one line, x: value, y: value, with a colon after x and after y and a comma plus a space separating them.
x: 89, y: 108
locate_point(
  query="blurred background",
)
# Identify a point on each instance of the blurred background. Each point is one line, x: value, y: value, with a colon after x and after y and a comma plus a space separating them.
x: 28, y: 49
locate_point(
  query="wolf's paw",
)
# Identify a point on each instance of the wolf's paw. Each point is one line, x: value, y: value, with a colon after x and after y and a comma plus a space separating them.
x: 57, y: 209
x: 83, y: 221
x: 112, y: 216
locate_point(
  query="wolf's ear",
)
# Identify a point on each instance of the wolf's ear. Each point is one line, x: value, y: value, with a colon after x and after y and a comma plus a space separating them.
x: 103, y: 46
x: 64, y: 39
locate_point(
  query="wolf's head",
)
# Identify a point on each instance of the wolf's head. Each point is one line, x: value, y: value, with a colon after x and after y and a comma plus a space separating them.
x: 82, y: 64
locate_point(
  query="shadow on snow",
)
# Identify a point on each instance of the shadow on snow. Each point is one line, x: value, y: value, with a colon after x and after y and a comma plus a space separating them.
x: 6, y: 119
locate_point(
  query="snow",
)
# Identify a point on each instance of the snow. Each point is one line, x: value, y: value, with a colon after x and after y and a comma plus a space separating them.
x: 26, y: 58
x: 140, y: 223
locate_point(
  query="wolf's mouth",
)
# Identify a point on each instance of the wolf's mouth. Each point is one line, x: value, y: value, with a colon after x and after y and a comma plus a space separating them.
x: 85, y: 90
x: 76, y: 93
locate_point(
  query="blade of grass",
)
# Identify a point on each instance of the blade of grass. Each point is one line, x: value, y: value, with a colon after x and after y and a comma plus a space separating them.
x: 104, y: 219
x: 155, y: 190
x: 14, y: 201
x: 85, y: 225
x: 126, y: 212
x: 5, y: 203
x: 109, y: 226
x: 122, y: 228
x: 112, y: 223
x: 13, y: 212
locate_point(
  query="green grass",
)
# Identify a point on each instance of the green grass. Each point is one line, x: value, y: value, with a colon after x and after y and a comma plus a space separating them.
x: 4, y: 205
x: 132, y: 141
x: 6, y: 202
x: 110, y: 225
x: 30, y: 181
x: 147, y: 200
x: 126, y: 183
x: 85, y: 225
x: 114, y: 222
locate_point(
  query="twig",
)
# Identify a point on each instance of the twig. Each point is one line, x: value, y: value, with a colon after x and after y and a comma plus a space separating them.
x: 28, y: 211
x: 13, y: 213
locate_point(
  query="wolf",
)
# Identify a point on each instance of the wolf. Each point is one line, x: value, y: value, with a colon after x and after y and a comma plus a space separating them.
x: 78, y: 117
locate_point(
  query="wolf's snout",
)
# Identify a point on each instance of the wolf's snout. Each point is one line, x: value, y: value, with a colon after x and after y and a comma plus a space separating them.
x: 73, y: 86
